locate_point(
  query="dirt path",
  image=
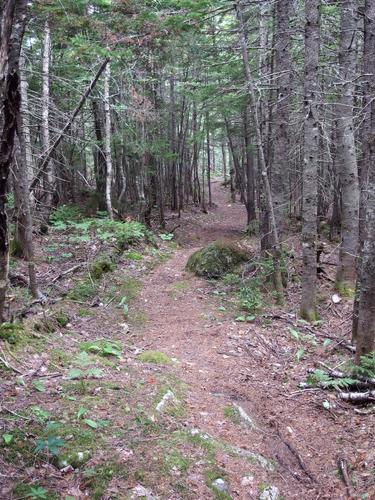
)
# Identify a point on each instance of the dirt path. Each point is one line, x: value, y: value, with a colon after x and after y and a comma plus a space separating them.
x: 185, y: 322
x: 239, y: 420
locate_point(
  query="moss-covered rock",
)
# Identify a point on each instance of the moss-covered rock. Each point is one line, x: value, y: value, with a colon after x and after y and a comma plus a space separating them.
x: 216, y: 260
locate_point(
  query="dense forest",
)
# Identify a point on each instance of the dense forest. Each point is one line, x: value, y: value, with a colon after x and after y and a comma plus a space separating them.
x: 168, y: 165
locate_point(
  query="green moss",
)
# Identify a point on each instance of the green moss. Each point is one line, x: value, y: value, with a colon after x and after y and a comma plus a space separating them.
x: 11, y: 332
x: 132, y: 255
x: 156, y: 357
x: 59, y: 357
x: 99, y: 478
x: 83, y: 290
x: 345, y: 289
x: 130, y: 287
x: 176, y: 460
x: 232, y: 414
x: 100, y: 266
x: 216, y: 260
x: 62, y: 319
x: 16, y: 249
x: 310, y: 315
x: 84, y: 313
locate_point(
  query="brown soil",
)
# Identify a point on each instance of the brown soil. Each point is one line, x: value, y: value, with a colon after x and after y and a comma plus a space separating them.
x: 219, y: 364
x: 225, y: 363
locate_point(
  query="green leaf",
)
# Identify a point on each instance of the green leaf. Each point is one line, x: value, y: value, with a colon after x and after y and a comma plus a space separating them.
x: 294, y: 333
x: 95, y: 373
x: 75, y: 374
x: 39, y: 386
x: 54, y: 443
x: 8, y: 438
x: 82, y: 412
x: 327, y: 342
x: 37, y: 493
x: 241, y: 319
x: 250, y: 318
x: 91, y: 423
x: 221, y: 308
x: 299, y: 354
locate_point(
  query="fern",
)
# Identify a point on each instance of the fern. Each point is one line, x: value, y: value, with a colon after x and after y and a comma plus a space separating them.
x: 366, y: 368
x: 322, y: 379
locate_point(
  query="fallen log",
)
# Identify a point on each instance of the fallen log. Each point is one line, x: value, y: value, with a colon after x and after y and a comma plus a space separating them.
x: 358, y: 397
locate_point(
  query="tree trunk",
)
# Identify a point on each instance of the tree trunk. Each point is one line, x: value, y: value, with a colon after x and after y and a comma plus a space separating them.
x: 282, y: 129
x: 364, y: 307
x: 208, y: 160
x: 250, y: 191
x: 311, y: 160
x: 107, y: 141
x: 348, y: 171
x: 24, y: 223
x: 13, y: 21
x: 276, y: 250
x: 46, y: 143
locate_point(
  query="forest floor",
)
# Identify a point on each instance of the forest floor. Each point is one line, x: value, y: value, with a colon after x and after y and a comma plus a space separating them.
x: 178, y: 399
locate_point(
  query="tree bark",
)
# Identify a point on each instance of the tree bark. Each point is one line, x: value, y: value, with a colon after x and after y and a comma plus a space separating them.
x: 13, y: 22
x: 107, y: 141
x: 311, y: 160
x: 276, y: 250
x: 45, y: 132
x: 348, y: 170
x: 364, y: 313
x: 280, y: 170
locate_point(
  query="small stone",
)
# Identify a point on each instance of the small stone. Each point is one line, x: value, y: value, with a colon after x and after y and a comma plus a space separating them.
x: 141, y: 492
x: 221, y: 485
x: 247, y: 480
x: 270, y: 493
x: 168, y: 396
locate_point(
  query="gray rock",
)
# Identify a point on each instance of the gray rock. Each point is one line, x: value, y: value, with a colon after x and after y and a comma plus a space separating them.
x: 246, y: 420
x: 141, y: 492
x: 221, y: 485
x: 270, y: 493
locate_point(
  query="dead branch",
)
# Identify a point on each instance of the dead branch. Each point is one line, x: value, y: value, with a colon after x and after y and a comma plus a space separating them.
x: 358, y: 397
x: 6, y: 363
x: 343, y: 467
x: 64, y: 273
x: 46, y: 157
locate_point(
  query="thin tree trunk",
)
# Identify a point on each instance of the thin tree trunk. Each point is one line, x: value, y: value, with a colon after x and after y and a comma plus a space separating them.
x: 250, y: 191
x: 364, y: 306
x: 46, y: 143
x: 276, y: 250
x: 208, y: 160
x: 311, y: 160
x: 348, y: 171
x: 24, y: 223
x: 107, y: 141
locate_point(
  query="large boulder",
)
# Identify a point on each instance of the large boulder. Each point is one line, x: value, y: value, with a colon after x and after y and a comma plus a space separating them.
x: 217, y: 259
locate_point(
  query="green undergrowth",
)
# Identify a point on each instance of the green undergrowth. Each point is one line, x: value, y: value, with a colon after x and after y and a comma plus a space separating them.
x: 155, y: 357
x: 250, y: 288
x: 121, y: 235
